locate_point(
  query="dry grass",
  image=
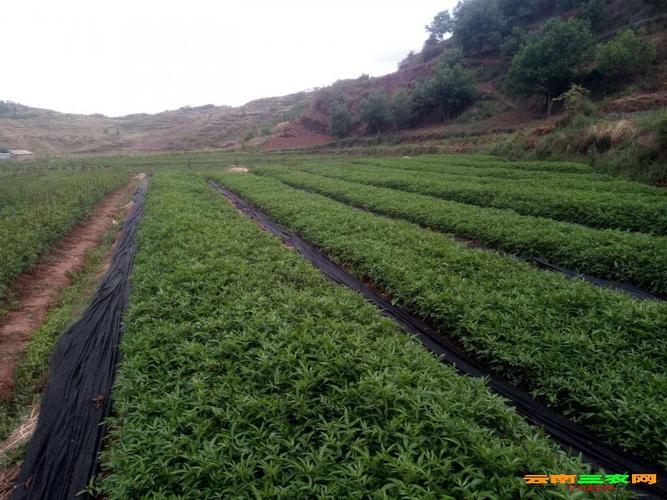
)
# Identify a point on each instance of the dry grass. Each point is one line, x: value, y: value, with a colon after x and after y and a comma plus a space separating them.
x: 7, y: 478
x: 20, y: 435
x: 614, y: 132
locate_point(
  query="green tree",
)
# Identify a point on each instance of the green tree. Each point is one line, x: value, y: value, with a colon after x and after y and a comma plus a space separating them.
x: 441, y: 25
x: 401, y: 109
x: 421, y: 103
x: 627, y: 53
x: 479, y: 25
x: 451, y: 89
x: 374, y: 110
x: 340, y: 119
x: 446, y: 92
x: 548, y: 61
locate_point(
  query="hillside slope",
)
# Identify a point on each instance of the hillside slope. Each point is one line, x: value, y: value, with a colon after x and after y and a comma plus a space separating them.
x: 45, y: 131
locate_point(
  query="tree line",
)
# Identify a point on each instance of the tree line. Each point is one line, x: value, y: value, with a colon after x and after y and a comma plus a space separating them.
x: 449, y: 89
x: 544, y: 62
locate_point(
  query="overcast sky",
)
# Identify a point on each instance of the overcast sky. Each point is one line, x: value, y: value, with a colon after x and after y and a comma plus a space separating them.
x: 119, y: 57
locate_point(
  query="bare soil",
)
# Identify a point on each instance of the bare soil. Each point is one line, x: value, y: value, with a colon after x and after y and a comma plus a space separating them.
x: 296, y: 136
x: 35, y: 291
x: 638, y: 102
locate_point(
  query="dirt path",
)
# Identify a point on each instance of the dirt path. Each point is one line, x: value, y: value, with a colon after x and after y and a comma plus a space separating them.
x: 36, y: 290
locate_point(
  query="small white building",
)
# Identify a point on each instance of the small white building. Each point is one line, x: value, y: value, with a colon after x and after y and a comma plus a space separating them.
x: 22, y: 154
x: 16, y: 154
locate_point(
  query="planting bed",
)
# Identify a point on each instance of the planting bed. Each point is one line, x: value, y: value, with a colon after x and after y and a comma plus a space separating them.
x: 635, y: 258
x: 479, y: 161
x: 499, y: 172
x: 571, y: 436
x: 594, y: 354
x: 38, y: 209
x: 246, y: 373
x: 631, y: 212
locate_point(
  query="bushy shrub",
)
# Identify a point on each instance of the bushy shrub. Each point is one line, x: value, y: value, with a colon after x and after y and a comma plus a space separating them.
x: 576, y: 100
x: 480, y: 111
x: 401, y: 109
x: 340, y: 119
x: 626, y: 54
x: 431, y: 49
x: 452, y: 56
x: 543, y: 148
x: 448, y: 91
x: 407, y: 61
x: 374, y: 110
x: 249, y: 135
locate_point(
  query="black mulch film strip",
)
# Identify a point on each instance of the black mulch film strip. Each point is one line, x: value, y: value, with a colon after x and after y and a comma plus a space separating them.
x: 627, y: 288
x: 571, y: 436
x: 63, y: 452
x: 633, y: 291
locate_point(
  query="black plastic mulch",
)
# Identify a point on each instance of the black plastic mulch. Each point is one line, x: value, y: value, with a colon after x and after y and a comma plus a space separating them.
x: 627, y: 288
x: 571, y: 436
x: 62, y: 454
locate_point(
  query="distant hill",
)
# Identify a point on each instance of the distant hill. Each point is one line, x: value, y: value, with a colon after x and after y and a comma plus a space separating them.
x: 45, y: 131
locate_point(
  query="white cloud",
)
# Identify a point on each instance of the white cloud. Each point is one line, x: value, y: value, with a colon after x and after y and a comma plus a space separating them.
x: 120, y: 57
